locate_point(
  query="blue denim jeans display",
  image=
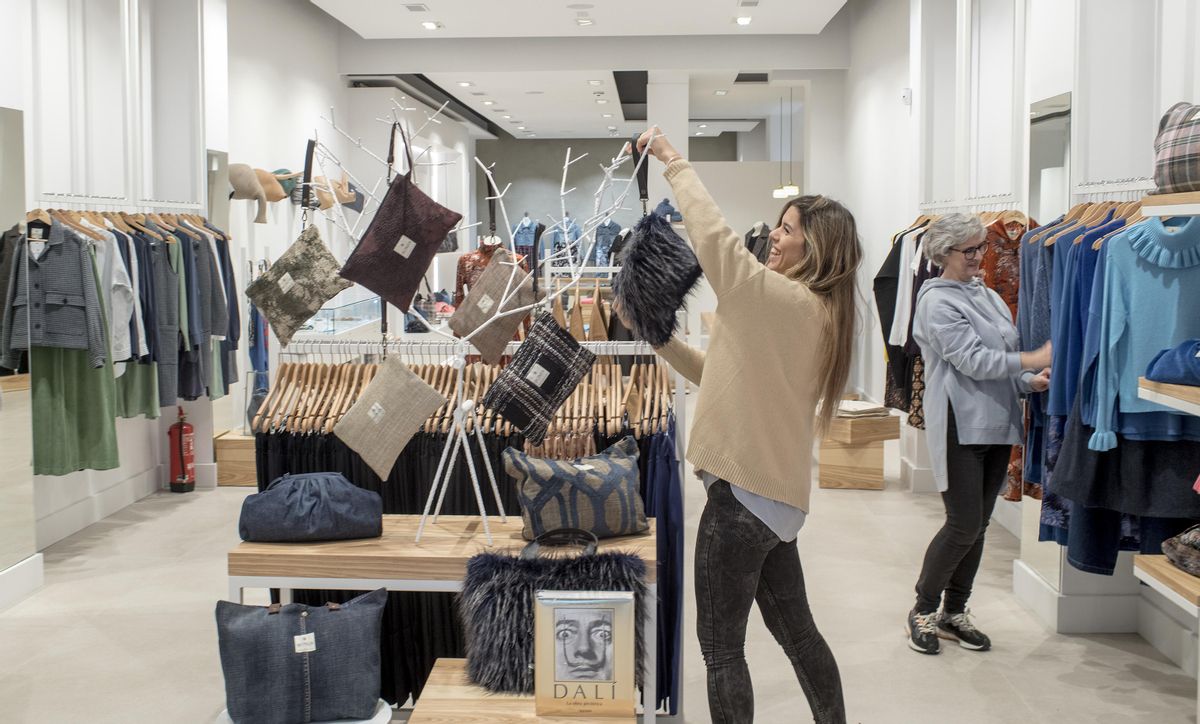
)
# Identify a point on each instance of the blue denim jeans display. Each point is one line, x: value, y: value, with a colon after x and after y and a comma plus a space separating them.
x: 295, y: 663
x: 739, y: 560
x: 311, y: 507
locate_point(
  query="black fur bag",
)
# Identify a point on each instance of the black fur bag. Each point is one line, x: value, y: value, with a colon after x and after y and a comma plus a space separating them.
x: 497, y: 603
x: 658, y: 271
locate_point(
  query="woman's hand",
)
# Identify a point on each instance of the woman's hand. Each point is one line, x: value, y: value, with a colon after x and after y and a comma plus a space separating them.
x: 660, y: 147
x: 1039, y: 359
x: 1041, y: 381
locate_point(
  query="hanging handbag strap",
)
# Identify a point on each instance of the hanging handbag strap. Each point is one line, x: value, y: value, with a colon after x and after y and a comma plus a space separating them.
x: 306, y: 182
x: 643, y: 177
x: 391, y: 157
x: 562, y: 537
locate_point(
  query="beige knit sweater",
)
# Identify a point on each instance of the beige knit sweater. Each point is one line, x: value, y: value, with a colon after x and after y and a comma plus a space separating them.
x: 758, y: 380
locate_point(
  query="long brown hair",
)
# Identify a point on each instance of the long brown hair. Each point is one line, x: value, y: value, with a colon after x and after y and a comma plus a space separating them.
x: 830, y: 269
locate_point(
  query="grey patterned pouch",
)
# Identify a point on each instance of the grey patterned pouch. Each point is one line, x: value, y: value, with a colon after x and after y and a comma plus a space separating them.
x: 543, y: 373
x: 482, y: 306
x: 598, y: 493
x: 387, y: 414
x: 297, y: 285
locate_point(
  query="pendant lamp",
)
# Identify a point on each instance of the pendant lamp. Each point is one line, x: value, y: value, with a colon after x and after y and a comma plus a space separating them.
x: 791, y: 189
x: 780, y: 192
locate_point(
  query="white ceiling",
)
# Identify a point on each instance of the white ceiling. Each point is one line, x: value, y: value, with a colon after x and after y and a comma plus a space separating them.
x: 562, y: 104
x: 373, y: 19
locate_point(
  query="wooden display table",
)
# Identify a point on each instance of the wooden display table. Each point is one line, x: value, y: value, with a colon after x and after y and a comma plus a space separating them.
x: 397, y: 562
x: 1178, y: 587
x: 235, y: 459
x: 448, y: 698
x: 852, y: 452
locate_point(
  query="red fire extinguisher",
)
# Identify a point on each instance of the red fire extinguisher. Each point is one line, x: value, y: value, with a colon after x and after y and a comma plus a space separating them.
x: 183, y: 456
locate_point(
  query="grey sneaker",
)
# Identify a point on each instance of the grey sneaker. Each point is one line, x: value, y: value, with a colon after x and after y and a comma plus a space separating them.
x: 922, y: 632
x: 958, y: 627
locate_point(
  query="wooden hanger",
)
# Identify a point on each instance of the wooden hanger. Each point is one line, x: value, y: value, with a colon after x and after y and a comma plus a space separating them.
x: 39, y: 215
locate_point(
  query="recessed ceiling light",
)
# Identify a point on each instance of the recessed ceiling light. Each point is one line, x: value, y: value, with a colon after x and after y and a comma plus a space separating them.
x: 595, y: 82
x: 520, y: 128
x: 580, y: 6
x: 606, y: 115
x: 534, y: 93
x: 431, y: 25
x: 498, y: 110
x: 612, y: 128
x: 699, y: 133
x: 742, y: 20
x: 703, y: 125
x: 532, y: 135
x: 507, y: 116
x: 720, y: 93
x: 601, y: 101
x: 465, y: 84
x: 584, y: 22
x: 489, y: 103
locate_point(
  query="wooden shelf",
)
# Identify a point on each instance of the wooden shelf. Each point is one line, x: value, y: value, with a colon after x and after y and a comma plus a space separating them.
x: 1187, y: 204
x: 1184, y: 398
x: 859, y: 430
x: 14, y: 383
x: 1180, y: 587
x: 449, y: 698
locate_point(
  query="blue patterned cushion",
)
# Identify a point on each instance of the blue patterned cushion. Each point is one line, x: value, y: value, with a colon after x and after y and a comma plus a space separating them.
x: 597, y: 493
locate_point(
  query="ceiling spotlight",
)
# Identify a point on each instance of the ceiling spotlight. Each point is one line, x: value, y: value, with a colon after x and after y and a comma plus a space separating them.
x: 431, y: 25
x: 703, y: 125
x: 489, y: 103
x: 506, y: 116
x: 520, y: 128
x: 742, y: 20
x: 595, y: 82
x: 601, y: 101
x: 465, y: 84
x: 699, y: 133
x: 584, y: 22
x: 606, y: 115
x: 720, y: 93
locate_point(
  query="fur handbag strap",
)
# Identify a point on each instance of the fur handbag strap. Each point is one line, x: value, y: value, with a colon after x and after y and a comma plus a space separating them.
x: 562, y: 537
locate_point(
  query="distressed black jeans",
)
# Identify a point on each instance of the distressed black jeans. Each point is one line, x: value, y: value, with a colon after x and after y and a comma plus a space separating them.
x: 739, y: 560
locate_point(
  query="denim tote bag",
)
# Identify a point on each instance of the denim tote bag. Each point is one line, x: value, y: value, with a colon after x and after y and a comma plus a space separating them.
x: 311, y: 507
x: 296, y: 664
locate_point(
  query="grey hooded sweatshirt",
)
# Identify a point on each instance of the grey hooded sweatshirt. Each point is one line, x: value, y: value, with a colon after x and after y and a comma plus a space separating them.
x: 969, y: 343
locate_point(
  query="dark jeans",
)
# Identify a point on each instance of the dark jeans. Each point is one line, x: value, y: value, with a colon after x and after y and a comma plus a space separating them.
x: 740, y: 560
x: 976, y: 474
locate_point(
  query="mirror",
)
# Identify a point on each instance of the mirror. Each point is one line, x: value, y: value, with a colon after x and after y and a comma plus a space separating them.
x: 17, y: 521
x: 1050, y: 157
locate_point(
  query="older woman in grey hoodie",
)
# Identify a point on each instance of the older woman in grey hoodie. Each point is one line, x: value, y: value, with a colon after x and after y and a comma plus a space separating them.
x: 974, y: 378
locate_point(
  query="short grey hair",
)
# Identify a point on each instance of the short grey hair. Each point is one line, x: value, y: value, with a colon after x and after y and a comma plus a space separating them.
x: 948, y: 232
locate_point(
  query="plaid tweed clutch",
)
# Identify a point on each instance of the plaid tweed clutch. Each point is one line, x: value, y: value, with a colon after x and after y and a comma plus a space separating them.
x: 1177, y: 150
x: 297, y: 285
x: 483, y: 304
x: 387, y: 414
x: 543, y: 373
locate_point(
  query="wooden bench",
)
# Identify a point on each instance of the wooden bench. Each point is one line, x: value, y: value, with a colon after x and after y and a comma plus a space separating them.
x: 852, y: 452
x: 1178, y: 587
x: 449, y: 698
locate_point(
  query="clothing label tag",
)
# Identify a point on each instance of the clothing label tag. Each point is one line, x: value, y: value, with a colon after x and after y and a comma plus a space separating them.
x: 486, y: 303
x: 376, y: 412
x: 584, y: 468
x: 36, y: 233
x: 405, y: 246
x: 36, y: 248
x: 286, y: 282
x: 537, y: 374
x: 306, y: 643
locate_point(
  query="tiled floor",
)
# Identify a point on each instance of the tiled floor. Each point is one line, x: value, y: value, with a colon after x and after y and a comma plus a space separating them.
x: 123, y: 629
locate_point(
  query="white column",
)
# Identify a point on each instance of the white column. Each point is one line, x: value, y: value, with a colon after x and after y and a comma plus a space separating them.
x: 667, y: 108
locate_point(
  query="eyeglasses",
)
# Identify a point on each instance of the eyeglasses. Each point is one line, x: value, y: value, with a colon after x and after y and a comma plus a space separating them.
x: 971, y: 252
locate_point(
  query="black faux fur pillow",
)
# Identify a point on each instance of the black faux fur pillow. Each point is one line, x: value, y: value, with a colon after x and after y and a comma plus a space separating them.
x: 497, y: 603
x: 658, y: 272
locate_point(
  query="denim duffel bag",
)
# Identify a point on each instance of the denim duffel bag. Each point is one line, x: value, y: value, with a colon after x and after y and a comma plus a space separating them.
x: 294, y: 664
x: 311, y: 507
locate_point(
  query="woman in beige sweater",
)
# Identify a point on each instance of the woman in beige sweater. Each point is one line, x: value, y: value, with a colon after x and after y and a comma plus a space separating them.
x: 775, y: 369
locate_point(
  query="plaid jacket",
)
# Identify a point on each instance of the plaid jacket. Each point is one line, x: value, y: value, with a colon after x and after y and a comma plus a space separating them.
x: 1177, y: 150
x: 52, y: 300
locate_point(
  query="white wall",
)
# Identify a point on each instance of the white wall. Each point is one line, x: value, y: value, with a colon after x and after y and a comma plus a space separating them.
x: 1050, y: 43
x: 879, y: 159
x: 14, y: 80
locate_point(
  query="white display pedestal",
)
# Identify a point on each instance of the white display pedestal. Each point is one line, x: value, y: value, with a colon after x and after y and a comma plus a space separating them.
x: 916, y: 473
x: 383, y: 714
x: 20, y: 580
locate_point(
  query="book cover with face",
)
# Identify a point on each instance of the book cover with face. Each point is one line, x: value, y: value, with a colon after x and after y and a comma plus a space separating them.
x: 584, y: 653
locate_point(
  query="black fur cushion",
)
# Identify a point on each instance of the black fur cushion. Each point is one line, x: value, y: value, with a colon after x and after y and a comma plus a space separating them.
x: 497, y: 603
x: 658, y: 272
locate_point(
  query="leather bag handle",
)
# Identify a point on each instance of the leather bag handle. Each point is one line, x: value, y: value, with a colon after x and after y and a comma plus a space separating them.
x: 562, y: 537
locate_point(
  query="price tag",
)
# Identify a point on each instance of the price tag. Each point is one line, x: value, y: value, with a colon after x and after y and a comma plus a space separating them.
x: 306, y: 643
x: 376, y: 412
x: 286, y: 283
x: 537, y: 374
x: 486, y: 303
x: 584, y: 468
x: 405, y: 246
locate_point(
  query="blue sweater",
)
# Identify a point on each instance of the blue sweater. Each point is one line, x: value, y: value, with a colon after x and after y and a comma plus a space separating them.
x: 1150, y: 302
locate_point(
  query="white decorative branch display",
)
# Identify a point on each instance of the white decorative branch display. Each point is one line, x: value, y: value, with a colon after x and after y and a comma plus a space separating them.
x: 465, y: 410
